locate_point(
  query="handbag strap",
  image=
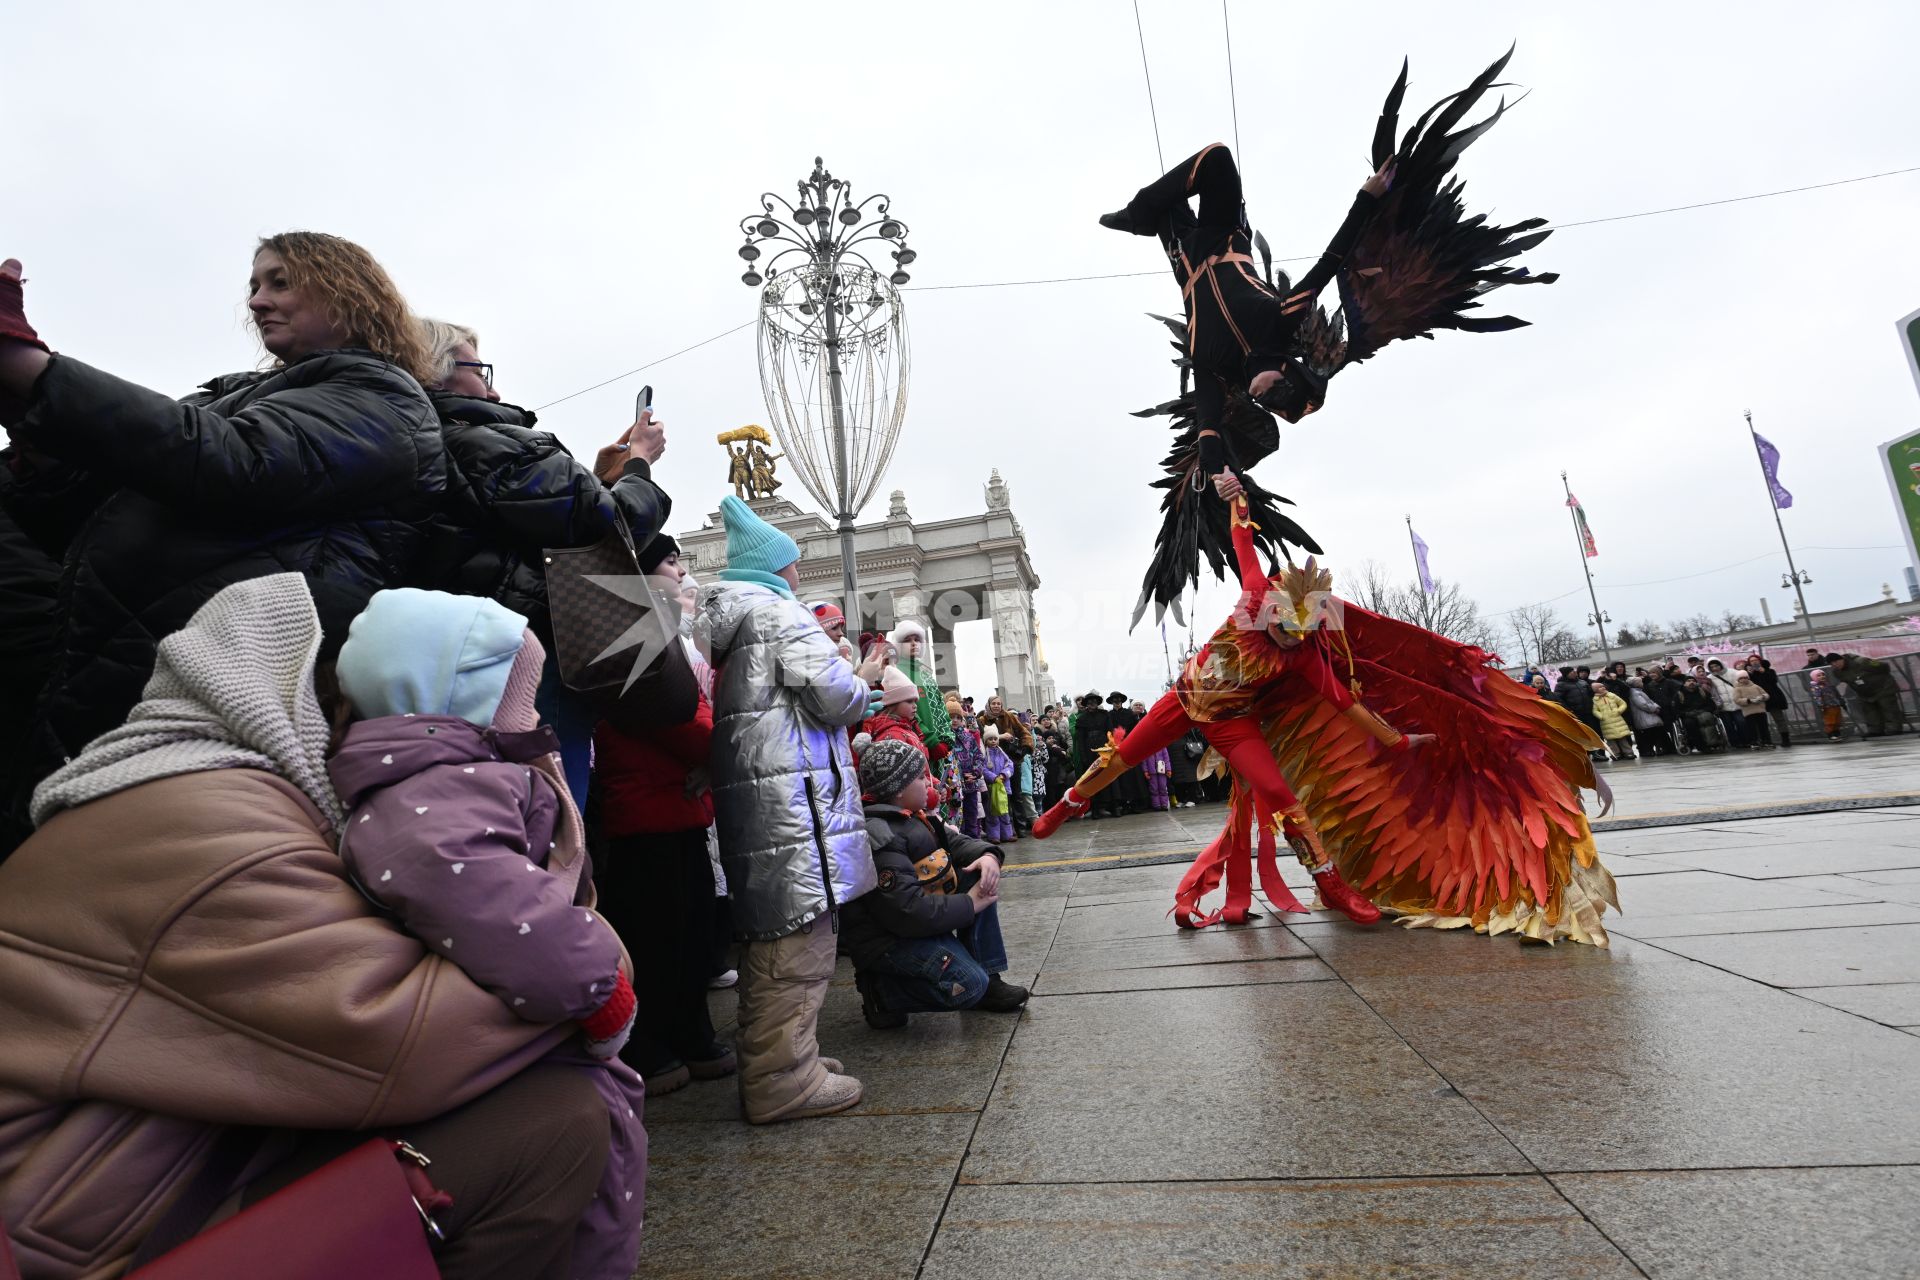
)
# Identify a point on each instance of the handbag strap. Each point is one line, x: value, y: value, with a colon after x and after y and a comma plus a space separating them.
x: 208, y: 1188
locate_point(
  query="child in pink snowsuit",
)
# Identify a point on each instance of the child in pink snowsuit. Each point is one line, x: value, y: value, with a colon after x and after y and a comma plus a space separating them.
x: 461, y: 824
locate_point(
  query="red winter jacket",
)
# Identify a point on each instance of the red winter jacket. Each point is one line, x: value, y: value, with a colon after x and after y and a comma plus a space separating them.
x: 643, y: 778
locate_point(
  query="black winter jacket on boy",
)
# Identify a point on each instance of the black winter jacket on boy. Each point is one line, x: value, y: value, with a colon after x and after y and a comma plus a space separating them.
x: 921, y: 892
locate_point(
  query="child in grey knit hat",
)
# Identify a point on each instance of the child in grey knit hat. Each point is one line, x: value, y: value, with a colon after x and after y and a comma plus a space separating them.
x: 927, y: 939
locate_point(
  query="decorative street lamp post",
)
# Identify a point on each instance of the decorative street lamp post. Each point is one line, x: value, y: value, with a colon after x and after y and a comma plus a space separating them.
x: 833, y: 344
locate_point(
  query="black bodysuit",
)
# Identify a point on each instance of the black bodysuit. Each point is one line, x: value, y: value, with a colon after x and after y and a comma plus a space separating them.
x: 1236, y: 324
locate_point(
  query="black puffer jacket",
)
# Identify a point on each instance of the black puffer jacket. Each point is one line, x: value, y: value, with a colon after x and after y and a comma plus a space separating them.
x: 922, y: 893
x: 29, y: 622
x: 327, y: 467
x: 512, y: 492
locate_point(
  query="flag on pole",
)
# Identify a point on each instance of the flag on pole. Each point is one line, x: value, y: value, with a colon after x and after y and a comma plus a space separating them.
x: 1420, y: 560
x: 1580, y: 523
x: 1770, y: 463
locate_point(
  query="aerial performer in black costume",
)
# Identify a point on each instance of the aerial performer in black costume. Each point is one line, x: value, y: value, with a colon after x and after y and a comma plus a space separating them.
x: 1483, y: 828
x: 1406, y: 261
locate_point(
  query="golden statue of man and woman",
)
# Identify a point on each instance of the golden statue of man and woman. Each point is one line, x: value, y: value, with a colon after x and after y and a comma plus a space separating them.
x: 750, y: 468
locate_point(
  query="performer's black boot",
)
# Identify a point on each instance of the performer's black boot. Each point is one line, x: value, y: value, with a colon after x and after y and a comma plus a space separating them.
x: 1124, y: 220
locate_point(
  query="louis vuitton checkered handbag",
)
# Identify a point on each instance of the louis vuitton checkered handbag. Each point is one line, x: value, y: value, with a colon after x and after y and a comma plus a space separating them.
x: 616, y: 634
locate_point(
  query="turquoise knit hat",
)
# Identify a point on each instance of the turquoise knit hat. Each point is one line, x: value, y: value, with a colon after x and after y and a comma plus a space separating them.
x: 753, y: 545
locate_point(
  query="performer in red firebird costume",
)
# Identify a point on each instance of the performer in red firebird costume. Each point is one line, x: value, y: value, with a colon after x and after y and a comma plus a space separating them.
x: 1277, y: 633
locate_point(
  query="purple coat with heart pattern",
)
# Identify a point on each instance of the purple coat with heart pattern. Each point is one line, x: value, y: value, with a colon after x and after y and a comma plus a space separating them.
x: 451, y: 828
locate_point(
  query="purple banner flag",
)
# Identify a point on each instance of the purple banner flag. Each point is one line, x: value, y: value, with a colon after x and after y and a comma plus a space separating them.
x: 1420, y: 559
x: 1770, y: 463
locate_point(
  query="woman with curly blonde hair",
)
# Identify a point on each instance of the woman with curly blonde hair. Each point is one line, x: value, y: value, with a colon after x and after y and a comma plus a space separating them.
x: 355, y: 296
x: 327, y: 464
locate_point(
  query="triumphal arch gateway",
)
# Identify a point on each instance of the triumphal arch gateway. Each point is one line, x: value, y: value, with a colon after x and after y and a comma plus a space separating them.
x: 943, y: 572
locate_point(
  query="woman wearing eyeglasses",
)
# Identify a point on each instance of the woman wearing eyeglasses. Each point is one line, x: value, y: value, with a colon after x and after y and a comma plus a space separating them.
x: 326, y: 464
x: 512, y: 492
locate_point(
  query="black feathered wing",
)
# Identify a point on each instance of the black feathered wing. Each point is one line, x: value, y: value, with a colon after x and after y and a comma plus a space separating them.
x: 1422, y: 262
x: 1194, y: 523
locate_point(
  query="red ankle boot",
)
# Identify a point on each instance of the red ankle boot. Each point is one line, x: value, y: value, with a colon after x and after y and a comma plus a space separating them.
x: 1342, y: 897
x: 1070, y: 805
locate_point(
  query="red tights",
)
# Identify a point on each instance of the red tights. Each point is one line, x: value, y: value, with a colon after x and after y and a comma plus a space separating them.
x: 1238, y: 738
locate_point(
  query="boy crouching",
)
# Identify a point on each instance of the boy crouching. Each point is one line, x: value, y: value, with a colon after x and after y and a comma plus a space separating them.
x: 928, y: 938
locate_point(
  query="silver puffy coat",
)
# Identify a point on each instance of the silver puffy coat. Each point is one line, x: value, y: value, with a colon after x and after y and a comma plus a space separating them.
x: 786, y: 798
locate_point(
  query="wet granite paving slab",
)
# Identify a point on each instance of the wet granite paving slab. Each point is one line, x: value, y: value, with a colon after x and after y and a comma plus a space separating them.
x: 937, y: 1063
x: 1177, y: 947
x: 1896, y: 1004
x: 842, y: 1197
x: 1106, y: 921
x: 1166, y: 977
x: 1231, y: 1082
x: 1814, y: 957
x: 1693, y: 892
x: 1652, y: 1061
x: 1805, y: 858
x: 1123, y: 1109
x: 1778, y: 920
x: 1758, y: 1224
x: 1516, y: 1227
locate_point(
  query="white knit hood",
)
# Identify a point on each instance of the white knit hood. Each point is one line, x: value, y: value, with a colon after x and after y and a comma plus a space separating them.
x: 233, y: 689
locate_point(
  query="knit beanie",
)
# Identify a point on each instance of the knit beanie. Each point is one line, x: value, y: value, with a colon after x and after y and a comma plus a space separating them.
x: 896, y: 688
x: 888, y: 768
x: 753, y: 545
x: 413, y: 652
x: 659, y: 549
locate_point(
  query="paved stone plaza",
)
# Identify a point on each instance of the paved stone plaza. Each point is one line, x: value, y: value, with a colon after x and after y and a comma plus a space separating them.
x: 1732, y: 1090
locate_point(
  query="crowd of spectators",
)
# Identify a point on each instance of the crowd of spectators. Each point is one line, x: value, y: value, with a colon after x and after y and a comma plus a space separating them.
x: 1716, y: 705
x: 305, y: 840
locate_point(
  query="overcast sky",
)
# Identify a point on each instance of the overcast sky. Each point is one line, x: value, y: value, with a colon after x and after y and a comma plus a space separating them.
x: 569, y: 180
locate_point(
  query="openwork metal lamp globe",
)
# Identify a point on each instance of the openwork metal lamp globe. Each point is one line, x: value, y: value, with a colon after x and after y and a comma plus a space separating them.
x: 833, y: 342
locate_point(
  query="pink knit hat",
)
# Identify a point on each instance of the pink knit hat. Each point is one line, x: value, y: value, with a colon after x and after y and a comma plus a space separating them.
x: 896, y: 688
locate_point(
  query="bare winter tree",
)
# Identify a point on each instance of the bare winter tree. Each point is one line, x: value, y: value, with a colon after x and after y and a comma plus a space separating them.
x: 1533, y: 625
x: 1731, y: 621
x: 1371, y: 587
x: 1446, y: 611
x: 1648, y: 631
x: 1451, y: 612
x: 1563, y: 646
x: 1543, y: 637
x: 1697, y: 627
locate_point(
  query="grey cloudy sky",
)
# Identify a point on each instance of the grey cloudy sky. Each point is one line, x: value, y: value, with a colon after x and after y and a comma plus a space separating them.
x: 569, y: 179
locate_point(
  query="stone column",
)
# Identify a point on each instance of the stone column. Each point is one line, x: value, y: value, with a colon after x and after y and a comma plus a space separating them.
x: 1010, y: 605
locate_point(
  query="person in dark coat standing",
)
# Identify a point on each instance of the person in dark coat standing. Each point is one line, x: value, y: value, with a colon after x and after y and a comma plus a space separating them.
x: 327, y: 464
x: 1059, y: 773
x: 1089, y: 736
x: 1879, y: 693
x: 1185, y: 756
x: 1762, y: 673
x: 512, y: 492
x: 656, y: 882
x: 1575, y: 693
x: 1121, y: 717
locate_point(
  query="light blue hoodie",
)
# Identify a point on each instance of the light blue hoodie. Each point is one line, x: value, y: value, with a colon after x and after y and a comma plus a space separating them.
x: 413, y: 652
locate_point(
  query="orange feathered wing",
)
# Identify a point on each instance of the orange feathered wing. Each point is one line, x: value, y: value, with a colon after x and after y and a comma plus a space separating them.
x: 1481, y: 828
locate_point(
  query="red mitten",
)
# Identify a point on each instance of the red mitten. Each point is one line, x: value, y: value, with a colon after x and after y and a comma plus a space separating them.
x: 13, y: 309
x: 608, y: 1027
x: 941, y: 750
